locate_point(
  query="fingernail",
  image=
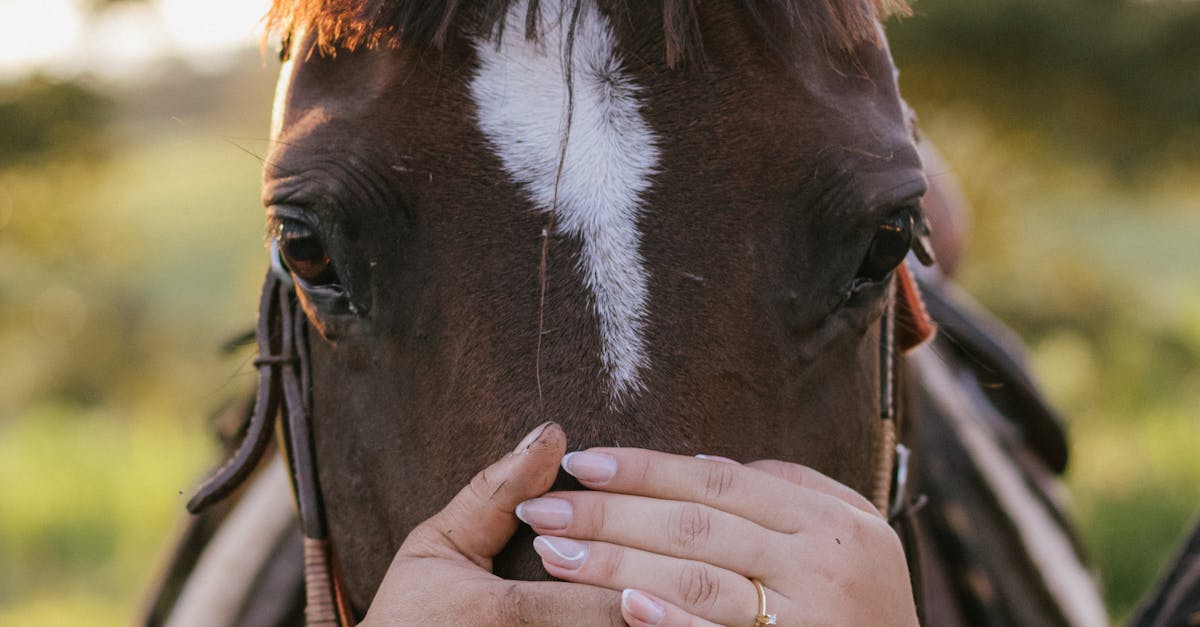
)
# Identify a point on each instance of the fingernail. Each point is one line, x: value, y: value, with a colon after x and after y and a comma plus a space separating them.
x: 642, y: 608
x: 594, y: 468
x: 717, y: 458
x: 545, y: 513
x: 561, y: 552
x: 531, y: 438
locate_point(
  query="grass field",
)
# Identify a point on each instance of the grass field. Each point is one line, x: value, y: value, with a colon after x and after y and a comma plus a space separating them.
x: 119, y: 282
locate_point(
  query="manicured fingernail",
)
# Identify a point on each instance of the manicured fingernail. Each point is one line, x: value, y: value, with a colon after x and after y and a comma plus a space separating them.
x: 717, y: 458
x: 531, y: 438
x: 594, y: 468
x: 545, y: 513
x: 561, y: 552
x: 642, y: 608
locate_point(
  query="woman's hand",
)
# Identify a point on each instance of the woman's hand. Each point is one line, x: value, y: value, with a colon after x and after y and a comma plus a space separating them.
x: 682, y: 537
x: 442, y: 574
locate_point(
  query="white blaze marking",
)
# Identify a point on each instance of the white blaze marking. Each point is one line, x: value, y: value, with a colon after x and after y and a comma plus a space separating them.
x: 521, y: 95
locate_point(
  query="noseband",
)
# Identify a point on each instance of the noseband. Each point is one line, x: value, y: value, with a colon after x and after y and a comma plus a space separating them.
x: 285, y: 392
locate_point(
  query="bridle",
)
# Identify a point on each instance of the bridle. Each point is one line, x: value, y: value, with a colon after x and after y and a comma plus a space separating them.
x: 285, y: 392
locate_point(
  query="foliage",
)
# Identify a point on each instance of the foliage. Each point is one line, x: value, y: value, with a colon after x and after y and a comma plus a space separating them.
x: 41, y: 117
x: 1113, y: 80
x: 97, y: 6
x: 120, y: 276
x: 1099, y: 279
x: 1038, y: 105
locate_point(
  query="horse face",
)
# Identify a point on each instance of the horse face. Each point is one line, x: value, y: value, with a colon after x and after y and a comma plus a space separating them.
x: 678, y: 259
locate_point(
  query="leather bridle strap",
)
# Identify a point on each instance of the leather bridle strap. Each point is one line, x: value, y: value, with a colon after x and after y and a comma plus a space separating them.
x: 882, y: 492
x: 234, y: 472
x: 905, y: 325
x: 284, y: 375
x: 320, y: 608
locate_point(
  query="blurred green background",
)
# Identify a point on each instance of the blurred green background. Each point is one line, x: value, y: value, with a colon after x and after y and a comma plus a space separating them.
x: 131, y: 250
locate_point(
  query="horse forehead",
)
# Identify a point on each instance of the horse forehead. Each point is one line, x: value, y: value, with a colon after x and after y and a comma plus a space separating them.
x: 350, y: 95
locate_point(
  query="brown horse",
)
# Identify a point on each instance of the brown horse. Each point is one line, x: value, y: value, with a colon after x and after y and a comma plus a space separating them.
x: 668, y: 225
x: 543, y: 219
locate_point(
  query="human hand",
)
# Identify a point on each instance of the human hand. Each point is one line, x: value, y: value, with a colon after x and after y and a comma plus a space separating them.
x: 682, y: 537
x: 442, y: 574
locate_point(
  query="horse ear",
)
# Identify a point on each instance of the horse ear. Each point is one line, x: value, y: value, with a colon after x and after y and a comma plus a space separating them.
x: 914, y: 325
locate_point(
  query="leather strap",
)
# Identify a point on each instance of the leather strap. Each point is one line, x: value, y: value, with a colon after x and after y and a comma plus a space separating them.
x: 230, y: 475
x: 284, y: 387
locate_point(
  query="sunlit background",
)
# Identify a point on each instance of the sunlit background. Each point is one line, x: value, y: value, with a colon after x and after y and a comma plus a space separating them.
x: 131, y: 250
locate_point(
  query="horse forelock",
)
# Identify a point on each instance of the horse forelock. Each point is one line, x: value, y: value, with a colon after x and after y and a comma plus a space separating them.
x: 349, y: 24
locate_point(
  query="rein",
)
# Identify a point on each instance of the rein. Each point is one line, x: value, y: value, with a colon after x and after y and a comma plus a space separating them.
x: 285, y: 388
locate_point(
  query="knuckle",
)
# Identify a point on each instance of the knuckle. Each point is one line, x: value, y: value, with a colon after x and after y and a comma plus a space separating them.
x: 590, y: 516
x: 481, y: 487
x: 863, y: 503
x: 765, y: 555
x: 613, y: 616
x: 519, y: 604
x: 870, y: 532
x: 605, y: 563
x: 639, y: 468
x: 510, y: 605
x: 850, y: 585
x: 802, y: 476
x: 718, y: 481
x: 859, y: 528
x: 699, y: 587
x: 424, y: 541
x: 885, y: 535
x: 689, y: 528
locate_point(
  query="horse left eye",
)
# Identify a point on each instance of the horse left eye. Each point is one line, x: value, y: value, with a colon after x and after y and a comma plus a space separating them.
x: 304, y: 254
x: 893, y: 239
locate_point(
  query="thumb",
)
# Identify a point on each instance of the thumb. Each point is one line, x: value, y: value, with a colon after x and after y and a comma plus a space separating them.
x: 479, y: 521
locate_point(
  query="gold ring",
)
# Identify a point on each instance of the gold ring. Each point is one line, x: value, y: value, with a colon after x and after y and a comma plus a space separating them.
x: 763, y: 619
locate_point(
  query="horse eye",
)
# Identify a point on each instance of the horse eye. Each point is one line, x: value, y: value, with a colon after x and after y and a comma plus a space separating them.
x: 893, y: 239
x: 304, y: 254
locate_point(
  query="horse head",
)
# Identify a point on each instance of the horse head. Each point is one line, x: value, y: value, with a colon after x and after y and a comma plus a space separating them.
x: 666, y: 224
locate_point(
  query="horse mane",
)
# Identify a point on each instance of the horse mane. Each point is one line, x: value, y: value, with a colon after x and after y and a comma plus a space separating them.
x: 349, y: 24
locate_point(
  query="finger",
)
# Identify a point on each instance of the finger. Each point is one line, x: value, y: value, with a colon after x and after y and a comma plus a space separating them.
x: 641, y: 609
x: 675, y: 528
x: 758, y: 496
x: 479, y: 521
x: 814, y: 480
x: 474, y: 601
x: 712, y: 593
x: 552, y: 604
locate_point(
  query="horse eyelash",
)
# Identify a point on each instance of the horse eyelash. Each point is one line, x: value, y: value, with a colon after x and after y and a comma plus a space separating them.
x: 274, y: 222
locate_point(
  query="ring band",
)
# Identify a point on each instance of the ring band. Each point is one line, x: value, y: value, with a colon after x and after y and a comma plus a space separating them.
x: 763, y: 619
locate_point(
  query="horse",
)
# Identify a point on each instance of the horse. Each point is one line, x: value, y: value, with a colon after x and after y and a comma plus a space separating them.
x: 670, y: 225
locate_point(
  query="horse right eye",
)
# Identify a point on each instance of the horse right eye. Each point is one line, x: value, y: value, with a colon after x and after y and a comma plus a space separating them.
x: 303, y: 252
x: 893, y: 239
